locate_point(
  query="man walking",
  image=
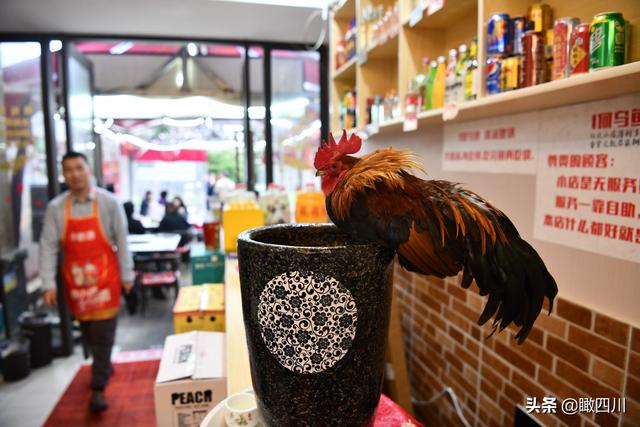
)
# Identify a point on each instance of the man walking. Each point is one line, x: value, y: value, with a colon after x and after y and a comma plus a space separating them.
x: 88, y: 225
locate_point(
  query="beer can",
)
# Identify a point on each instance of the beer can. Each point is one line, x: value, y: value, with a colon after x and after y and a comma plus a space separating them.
x: 562, y: 29
x: 607, y: 40
x: 540, y: 17
x: 579, y: 50
x: 548, y: 55
x: 510, y: 73
x: 519, y: 25
x: 499, y: 35
x: 494, y: 71
x: 533, y: 58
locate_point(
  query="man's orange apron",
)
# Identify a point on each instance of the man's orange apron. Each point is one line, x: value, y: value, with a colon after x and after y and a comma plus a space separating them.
x: 90, y: 267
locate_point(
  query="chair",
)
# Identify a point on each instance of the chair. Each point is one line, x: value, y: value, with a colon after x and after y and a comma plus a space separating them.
x: 156, y: 270
x: 184, y: 246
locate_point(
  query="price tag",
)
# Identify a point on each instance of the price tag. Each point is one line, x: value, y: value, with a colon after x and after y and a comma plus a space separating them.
x: 361, y: 57
x: 434, y: 6
x: 450, y: 112
x: 371, y: 129
x: 410, y: 123
x: 415, y: 16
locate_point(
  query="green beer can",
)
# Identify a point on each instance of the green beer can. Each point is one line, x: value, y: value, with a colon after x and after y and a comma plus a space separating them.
x: 607, y: 40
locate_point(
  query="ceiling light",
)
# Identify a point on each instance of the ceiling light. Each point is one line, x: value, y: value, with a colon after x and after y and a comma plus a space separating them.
x: 121, y: 48
x: 179, y: 79
x: 55, y: 45
x: 192, y: 49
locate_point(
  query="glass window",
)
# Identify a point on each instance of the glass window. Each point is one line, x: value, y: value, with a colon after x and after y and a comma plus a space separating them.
x: 23, y: 172
x: 295, y: 116
x: 256, y: 117
x: 170, y: 117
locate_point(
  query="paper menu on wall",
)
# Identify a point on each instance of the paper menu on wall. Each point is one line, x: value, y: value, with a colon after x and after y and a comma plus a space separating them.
x: 588, y: 179
x: 505, y: 144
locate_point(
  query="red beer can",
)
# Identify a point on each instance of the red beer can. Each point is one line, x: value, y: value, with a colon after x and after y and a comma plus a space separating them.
x: 532, y: 58
x: 579, y: 50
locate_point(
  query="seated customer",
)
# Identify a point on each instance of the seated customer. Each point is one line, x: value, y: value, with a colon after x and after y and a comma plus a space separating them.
x: 172, y: 220
x: 135, y: 226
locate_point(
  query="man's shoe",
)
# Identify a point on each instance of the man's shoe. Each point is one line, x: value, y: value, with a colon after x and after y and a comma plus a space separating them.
x: 98, y: 403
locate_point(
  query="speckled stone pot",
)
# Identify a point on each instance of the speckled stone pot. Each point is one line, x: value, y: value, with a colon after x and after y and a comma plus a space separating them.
x: 316, y: 312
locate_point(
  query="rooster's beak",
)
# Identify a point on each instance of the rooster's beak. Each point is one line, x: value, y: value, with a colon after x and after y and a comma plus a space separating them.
x: 320, y: 172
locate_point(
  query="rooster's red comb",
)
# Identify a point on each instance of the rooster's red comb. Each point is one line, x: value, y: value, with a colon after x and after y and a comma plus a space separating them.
x: 329, y: 150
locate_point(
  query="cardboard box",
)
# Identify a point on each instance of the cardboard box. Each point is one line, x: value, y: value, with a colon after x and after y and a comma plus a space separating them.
x: 191, y: 380
x: 206, y: 266
x: 199, y: 308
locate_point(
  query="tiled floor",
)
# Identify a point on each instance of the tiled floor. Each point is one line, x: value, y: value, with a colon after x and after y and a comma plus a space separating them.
x: 27, y: 403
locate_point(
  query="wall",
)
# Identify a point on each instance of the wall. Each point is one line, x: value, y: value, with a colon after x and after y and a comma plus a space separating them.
x: 166, y: 18
x: 594, y: 280
x: 589, y: 346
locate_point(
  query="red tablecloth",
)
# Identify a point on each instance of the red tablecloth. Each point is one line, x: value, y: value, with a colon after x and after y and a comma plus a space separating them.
x: 389, y: 414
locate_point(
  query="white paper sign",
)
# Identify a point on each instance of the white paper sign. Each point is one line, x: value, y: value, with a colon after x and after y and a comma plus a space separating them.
x: 506, y: 144
x: 410, y: 123
x: 434, y: 6
x: 588, y: 182
x: 450, y: 111
x: 361, y: 57
x: 415, y: 16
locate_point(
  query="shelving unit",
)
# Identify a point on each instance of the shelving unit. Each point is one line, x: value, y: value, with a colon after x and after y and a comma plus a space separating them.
x: 344, y: 78
x: 392, y: 65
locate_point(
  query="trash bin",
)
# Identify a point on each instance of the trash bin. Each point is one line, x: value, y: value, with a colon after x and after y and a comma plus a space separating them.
x: 37, y: 328
x: 14, y: 358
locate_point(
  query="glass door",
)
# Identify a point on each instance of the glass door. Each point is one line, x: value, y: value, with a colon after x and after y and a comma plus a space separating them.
x: 78, y: 98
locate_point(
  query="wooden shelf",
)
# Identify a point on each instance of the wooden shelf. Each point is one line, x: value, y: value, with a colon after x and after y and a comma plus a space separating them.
x: 450, y: 14
x: 607, y: 83
x: 389, y: 67
x: 390, y: 124
x: 346, y: 10
x: 347, y: 71
x: 429, y: 117
x: 386, y: 50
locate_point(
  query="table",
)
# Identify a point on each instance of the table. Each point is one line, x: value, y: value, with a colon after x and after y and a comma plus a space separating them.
x: 153, y: 243
x: 238, y: 370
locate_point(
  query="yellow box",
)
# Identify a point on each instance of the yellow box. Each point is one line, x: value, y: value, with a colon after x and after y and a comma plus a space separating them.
x: 237, y: 218
x: 310, y: 207
x: 199, y: 308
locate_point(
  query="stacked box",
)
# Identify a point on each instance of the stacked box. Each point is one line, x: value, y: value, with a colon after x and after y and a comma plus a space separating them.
x: 238, y: 217
x: 207, y: 266
x: 199, y: 308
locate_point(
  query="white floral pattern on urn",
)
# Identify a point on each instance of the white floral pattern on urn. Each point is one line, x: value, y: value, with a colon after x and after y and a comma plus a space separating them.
x: 307, y: 320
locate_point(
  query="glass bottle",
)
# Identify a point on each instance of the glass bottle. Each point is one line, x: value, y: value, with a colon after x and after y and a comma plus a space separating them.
x: 472, y: 76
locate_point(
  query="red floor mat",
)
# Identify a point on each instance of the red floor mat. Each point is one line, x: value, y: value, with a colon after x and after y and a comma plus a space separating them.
x: 129, y: 394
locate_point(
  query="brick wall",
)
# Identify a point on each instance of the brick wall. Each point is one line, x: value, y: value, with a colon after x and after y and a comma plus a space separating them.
x: 575, y: 352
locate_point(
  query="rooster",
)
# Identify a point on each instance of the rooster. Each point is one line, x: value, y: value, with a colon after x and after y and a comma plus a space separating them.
x: 436, y: 228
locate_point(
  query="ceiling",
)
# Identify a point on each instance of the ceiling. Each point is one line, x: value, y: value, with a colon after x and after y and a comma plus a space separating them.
x: 166, y: 69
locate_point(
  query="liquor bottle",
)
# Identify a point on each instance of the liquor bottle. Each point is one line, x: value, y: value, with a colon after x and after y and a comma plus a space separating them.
x: 450, y: 80
x: 421, y: 81
x: 437, y: 100
x: 411, y: 106
x: 472, y: 74
x: 461, y: 69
